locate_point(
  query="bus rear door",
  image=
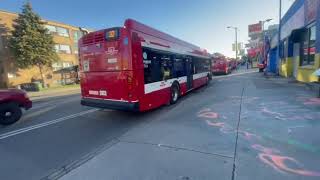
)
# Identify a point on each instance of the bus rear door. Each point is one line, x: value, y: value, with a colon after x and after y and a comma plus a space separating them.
x: 189, y: 73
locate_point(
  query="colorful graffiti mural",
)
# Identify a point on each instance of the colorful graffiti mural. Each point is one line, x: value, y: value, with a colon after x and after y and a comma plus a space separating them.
x: 269, y: 156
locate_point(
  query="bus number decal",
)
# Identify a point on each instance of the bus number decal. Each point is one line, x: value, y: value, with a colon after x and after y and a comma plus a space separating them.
x: 111, y: 51
x: 91, y: 92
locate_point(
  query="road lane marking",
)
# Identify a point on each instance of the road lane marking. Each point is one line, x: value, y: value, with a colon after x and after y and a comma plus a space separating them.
x: 54, y: 102
x: 30, y: 128
x: 37, y: 113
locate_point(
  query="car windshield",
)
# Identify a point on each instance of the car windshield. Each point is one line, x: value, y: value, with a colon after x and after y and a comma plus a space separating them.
x: 168, y: 90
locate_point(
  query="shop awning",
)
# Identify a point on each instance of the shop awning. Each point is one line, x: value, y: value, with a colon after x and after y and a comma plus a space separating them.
x: 296, y: 35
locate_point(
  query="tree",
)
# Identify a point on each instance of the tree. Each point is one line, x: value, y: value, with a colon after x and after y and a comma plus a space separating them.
x: 31, y: 43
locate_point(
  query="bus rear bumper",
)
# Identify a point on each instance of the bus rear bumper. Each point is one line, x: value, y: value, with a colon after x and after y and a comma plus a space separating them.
x: 109, y: 104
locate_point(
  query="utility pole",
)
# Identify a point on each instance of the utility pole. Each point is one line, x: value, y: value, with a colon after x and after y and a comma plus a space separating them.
x: 279, y: 36
x: 236, y: 40
x: 236, y: 29
x: 263, y: 36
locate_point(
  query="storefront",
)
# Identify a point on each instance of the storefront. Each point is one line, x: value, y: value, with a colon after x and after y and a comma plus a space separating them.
x: 300, y: 41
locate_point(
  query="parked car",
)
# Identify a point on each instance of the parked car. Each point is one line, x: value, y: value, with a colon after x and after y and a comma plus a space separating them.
x: 11, y: 103
x: 220, y: 66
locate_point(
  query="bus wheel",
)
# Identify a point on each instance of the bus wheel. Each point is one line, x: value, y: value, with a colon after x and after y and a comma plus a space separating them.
x: 175, y: 92
x: 207, y: 80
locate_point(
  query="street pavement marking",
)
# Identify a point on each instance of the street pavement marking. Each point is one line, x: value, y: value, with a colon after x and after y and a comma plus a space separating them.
x: 37, y: 113
x: 55, y: 102
x: 30, y: 128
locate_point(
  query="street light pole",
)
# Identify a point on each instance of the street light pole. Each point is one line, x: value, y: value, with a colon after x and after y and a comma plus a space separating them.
x: 263, y: 36
x: 236, y: 40
x: 279, y: 37
x: 236, y: 29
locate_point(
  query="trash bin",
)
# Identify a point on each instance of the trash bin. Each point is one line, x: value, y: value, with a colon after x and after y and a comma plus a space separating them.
x: 38, y: 86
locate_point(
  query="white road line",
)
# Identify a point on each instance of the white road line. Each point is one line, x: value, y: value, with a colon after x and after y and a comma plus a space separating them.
x: 36, y: 113
x: 30, y: 128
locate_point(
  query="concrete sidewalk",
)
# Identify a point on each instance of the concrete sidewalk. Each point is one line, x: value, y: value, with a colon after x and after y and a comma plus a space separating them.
x: 246, y: 127
x: 54, y: 92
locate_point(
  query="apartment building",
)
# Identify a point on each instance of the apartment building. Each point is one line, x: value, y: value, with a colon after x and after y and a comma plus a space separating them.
x: 66, y: 44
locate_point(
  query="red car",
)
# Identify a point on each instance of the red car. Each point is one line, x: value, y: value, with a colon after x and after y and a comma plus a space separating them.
x: 220, y: 66
x: 11, y: 102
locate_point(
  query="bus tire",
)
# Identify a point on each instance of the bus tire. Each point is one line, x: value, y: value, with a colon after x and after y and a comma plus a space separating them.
x: 175, y: 93
x: 207, y: 80
x: 10, y: 113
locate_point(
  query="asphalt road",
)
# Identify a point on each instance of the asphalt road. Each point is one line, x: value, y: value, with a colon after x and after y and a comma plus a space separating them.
x: 239, y: 127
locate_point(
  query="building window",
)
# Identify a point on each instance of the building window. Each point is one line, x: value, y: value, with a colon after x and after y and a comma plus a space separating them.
x: 76, y: 36
x: 51, y: 29
x: 12, y: 75
x: 67, y: 64
x: 56, y: 66
x: 63, y: 31
x: 61, y: 48
x: 58, y: 30
x: 61, y: 64
x: 308, y: 50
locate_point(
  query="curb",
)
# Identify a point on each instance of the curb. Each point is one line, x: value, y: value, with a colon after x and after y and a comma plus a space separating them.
x: 60, y: 172
x: 312, y: 86
x: 54, y: 95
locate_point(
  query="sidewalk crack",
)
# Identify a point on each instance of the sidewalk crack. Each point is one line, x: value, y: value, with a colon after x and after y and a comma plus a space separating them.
x: 177, y: 148
x: 237, y: 136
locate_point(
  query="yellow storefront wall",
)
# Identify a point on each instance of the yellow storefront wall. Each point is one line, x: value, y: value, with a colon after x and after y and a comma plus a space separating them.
x: 286, y: 68
x: 304, y: 73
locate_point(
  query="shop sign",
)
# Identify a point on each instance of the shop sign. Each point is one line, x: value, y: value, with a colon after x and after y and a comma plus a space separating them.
x: 255, y: 29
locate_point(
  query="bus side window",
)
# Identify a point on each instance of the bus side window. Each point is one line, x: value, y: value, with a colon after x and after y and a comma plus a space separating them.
x: 178, y: 67
x: 201, y: 65
x: 151, y: 62
x: 166, y: 66
x: 194, y: 62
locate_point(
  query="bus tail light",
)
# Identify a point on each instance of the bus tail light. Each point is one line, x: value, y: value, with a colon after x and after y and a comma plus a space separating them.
x: 129, y: 81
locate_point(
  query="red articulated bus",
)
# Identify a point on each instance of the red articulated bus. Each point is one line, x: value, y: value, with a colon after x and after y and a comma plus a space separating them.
x: 138, y: 68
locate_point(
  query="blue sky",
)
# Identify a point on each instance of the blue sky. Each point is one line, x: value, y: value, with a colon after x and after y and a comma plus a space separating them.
x: 201, y: 22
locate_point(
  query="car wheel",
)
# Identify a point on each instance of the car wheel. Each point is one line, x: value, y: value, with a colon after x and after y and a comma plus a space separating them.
x: 10, y: 113
x: 260, y: 70
x: 175, y: 92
